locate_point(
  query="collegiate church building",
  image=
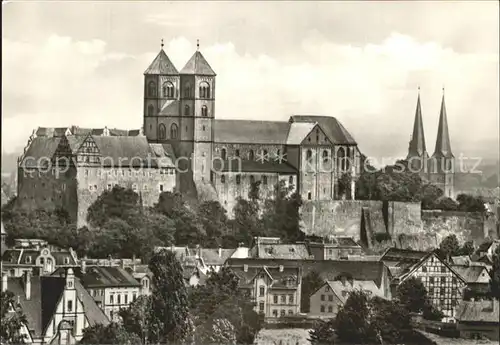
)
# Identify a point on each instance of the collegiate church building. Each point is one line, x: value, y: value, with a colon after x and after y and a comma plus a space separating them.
x: 183, y: 147
x: 307, y: 152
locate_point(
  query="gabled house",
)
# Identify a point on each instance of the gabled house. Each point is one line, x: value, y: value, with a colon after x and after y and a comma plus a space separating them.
x: 444, y: 285
x: 479, y: 319
x: 476, y: 277
x: 275, y: 289
x: 273, y: 248
x: 335, y: 248
x: 57, y: 309
x: 326, y: 301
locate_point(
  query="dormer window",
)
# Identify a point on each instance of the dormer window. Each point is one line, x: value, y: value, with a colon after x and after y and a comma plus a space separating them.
x: 28, y: 259
x: 66, y: 261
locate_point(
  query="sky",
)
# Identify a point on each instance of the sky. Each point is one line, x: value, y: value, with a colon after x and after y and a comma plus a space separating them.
x: 82, y: 63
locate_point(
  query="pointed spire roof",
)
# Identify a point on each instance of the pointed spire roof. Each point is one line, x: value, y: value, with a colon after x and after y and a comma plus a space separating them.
x: 198, y: 65
x: 162, y: 65
x: 443, y: 146
x: 417, y: 143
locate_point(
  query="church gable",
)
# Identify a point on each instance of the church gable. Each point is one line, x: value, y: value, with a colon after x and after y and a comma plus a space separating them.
x: 316, y: 137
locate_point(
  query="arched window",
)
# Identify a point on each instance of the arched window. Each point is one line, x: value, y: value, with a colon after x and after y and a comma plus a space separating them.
x: 204, y: 111
x: 237, y: 153
x: 168, y: 90
x: 173, y: 131
x: 325, y: 156
x: 152, y: 89
x: 252, y: 179
x: 187, y: 91
x: 264, y: 179
x: 251, y: 155
x: 341, y: 161
x: 223, y: 154
x: 309, y: 196
x: 151, y: 110
x: 204, y: 90
x: 309, y: 154
x: 238, y: 179
x: 290, y: 180
x: 222, y: 179
x: 187, y: 110
x: 162, y: 132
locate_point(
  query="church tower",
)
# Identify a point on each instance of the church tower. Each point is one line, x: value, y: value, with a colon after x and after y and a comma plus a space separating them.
x: 197, y: 107
x: 417, y: 152
x: 443, y: 161
x: 161, y: 101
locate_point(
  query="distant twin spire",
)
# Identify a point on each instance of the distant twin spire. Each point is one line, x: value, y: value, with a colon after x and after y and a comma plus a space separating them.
x: 417, y: 146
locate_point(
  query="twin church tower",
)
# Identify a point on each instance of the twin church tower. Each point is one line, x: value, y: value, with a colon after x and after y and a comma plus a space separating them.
x: 440, y: 167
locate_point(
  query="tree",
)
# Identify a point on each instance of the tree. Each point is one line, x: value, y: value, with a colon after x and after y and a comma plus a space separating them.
x: 310, y: 283
x: 12, y: 320
x: 352, y: 321
x: 323, y: 333
x: 449, y: 246
x: 412, y: 294
x: 389, y: 321
x: 135, y: 317
x: 469, y: 203
x: 467, y: 248
x: 122, y: 203
x: 169, y: 305
x: 113, y: 333
x: 213, y: 218
x: 495, y: 274
x: 430, y: 312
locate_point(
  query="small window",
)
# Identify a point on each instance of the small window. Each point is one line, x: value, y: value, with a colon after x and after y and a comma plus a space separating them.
x: 187, y: 110
x: 238, y: 179
x: 28, y: 259
x: 290, y: 180
x: 237, y: 153
x: 283, y: 299
x: 70, y: 305
x: 161, y: 187
x: 322, y: 309
x: 204, y: 90
x: 134, y: 187
x: 222, y: 179
x: 251, y: 155
x: 174, y: 131
x: 275, y: 299
x: 111, y: 299
x: 261, y: 291
x: 290, y: 312
x: 275, y: 313
x: 252, y: 179
x: 152, y: 89
x: 126, y: 298
x: 282, y: 313
x: 264, y: 179
x: 290, y: 299
x: 325, y: 156
x: 322, y: 297
x: 309, y: 196
x: 330, y: 309
x: 168, y: 90
x: 330, y: 298
x: 119, y: 299
x: 204, y: 111
x: 162, y: 132
x: 261, y: 306
x: 424, y: 268
x: 223, y: 154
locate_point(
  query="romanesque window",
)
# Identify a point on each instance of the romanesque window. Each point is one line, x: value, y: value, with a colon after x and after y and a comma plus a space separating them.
x: 152, y: 89
x: 162, y: 132
x: 325, y: 156
x: 173, y: 131
x: 264, y: 179
x: 309, y: 196
x: 204, y: 111
x: 222, y: 179
x: 204, y: 90
x: 341, y: 160
x: 168, y: 90
x: 309, y: 154
x: 187, y: 110
x: 187, y: 91
x: 251, y: 155
x: 151, y: 110
x: 223, y: 154
x: 237, y: 153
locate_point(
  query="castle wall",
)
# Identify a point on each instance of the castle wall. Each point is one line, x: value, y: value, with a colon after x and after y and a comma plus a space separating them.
x: 465, y: 225
x: 147, y: 182
x: 406, y: 218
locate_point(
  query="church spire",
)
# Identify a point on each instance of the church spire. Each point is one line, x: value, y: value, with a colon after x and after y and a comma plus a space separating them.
x: 443, y: 146
x: 417, y: 144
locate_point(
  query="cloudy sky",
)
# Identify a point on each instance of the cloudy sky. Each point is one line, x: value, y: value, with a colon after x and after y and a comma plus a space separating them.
x: 82, y: 63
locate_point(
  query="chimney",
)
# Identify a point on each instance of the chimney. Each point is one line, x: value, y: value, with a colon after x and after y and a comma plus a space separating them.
x: 4, y: 282
x: 27, y: 284
x: 220, y: 252
x: 83, y: 266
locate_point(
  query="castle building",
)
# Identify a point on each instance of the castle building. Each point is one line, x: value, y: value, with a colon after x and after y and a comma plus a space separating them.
x: 440, y: 167
x: 308, y: 153
x: 182, y: 146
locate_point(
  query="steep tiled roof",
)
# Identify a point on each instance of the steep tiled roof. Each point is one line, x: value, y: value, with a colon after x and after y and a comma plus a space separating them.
x: 298, y: 132
x: 328, y: 269
x: 51, y: 131
x: 40, y: 152
x: 478, y: 311
x: 339, y: 286
x: 470, y: 273
x: 402, y: 255
x: 45, y: 294
x: 211, y: 256
x: 197, y: 64
x: 253, y: 166
x: 20, y: 256
x: 461, y: 260
x: 282, y: 251
x: 278, y: 277
x: 103, y: 276
x: 162, y: 65
x: 334, y: 130
x: 251, y: 131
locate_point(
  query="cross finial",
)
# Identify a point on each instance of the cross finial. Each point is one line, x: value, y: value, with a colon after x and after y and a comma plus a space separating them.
x: 443, y: 90
x: 197, y: 44
x: 162, y: 43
